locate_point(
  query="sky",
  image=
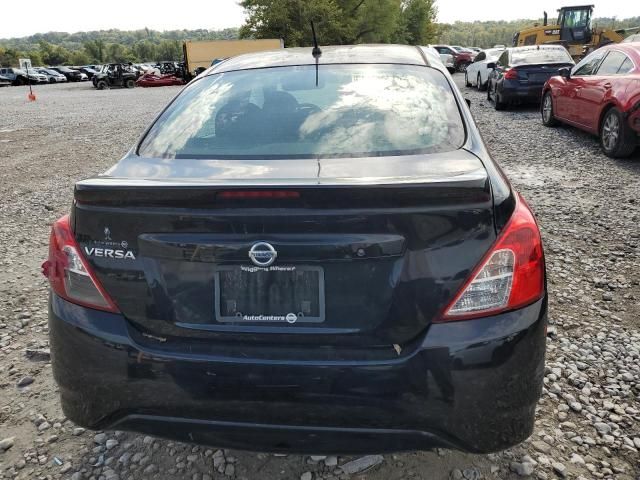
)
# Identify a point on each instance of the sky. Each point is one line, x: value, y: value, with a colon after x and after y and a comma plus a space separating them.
x: 39, y: 16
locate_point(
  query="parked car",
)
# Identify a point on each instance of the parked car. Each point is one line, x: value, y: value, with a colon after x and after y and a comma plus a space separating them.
x: 152, y: 80
x: 4, y: 81
x: 37, y: 77
x: 90, y: 72
x: 477, y: 74
x: 520, y: 73
x: 461, y: 49
x: 306, y: 257
x: 600, y: 95
x: 17, y: 76
x: 475, y: 49
x: 71, y: 74
x: 460, y: 59
x: 51, y: 75
x: 445, y: 58
x: 115, y: 75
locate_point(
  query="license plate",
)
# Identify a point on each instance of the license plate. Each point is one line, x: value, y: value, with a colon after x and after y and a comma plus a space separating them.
x: 283, y: 294
x: 539, y: 77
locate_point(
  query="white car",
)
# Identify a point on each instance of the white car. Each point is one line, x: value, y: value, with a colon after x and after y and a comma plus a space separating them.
x: 445, y: 58
x: 52, y: 75
x: 477, y: 73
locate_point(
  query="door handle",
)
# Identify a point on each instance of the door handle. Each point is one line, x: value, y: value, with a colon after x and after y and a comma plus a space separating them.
x: 607, y: 85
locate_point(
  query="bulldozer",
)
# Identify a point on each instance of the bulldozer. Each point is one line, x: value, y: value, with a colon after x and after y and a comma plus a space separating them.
x: 573, y: 30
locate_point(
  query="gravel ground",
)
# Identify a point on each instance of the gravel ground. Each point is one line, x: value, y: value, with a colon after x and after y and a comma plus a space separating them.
x: 588, y: 423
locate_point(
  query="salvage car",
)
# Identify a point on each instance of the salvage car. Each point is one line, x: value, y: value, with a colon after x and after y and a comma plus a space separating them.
x: 477, y: 74
x: 445, y: 58
x: 153, y: 80
x: 4, y: 81
x: 600, y: 95
x: 307, y: 253
x: 520, y: 73
x: 461, y: 59
x: 52, y: 75
x: 89, y: 71
x: 71, y: 74
x: 18, y: 76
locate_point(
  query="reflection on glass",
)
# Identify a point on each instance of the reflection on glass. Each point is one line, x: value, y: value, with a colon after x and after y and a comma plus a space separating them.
x: 354, y: 111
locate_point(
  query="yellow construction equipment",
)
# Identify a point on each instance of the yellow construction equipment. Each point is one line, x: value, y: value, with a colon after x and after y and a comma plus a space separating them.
x: 573, y: 30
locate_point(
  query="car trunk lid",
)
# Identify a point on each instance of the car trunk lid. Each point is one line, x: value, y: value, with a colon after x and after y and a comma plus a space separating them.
x: 369, y: 251
x: 538, y: 74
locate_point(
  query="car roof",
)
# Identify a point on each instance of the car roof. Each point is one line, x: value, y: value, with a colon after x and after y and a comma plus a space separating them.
x: 397, y: 54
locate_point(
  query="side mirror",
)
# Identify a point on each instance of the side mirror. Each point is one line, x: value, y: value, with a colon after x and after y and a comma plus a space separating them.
x: 491, y: 66
x: 565, y: 72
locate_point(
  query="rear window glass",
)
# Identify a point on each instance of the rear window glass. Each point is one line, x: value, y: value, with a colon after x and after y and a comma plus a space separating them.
x: 543, y: 55
x: 354, y: 111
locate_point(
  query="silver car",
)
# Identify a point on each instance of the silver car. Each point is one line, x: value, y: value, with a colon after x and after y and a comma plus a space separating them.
x: 17, y: 76
x: 52, y: 75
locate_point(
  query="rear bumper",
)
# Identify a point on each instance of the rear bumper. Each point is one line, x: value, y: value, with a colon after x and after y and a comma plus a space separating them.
x: 514, y: 92
x: 469, y: 385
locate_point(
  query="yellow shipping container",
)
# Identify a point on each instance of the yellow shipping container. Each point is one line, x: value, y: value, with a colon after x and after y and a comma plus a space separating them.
x: 202, y: 53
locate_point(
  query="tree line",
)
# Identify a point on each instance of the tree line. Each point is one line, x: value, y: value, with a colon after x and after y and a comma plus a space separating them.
x: 106, y: 46
x: 410, y: 22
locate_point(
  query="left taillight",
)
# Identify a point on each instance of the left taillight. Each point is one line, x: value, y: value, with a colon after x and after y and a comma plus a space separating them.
x: 69, y: 273
x: 511, y: 74
x: 510, y: 276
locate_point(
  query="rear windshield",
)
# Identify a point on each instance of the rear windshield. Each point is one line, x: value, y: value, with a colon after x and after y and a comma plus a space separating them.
x: 354, y: 111
x: 543, y: 55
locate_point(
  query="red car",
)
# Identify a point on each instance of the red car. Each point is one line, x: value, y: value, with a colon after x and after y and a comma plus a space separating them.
x: 461, y: 58
x: 151, y: 80
x: 601, y: 95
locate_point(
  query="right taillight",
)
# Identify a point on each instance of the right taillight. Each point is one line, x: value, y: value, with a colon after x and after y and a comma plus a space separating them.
x: 511, y: 275
x: 69, y: 274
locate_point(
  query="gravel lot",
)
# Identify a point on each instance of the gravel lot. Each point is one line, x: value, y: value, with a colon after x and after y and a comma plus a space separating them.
x: 588, y: 205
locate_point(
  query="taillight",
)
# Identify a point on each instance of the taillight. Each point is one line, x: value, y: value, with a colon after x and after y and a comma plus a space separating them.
x: 511, y: 274
x: 69, y: 274
x: 511, y: 74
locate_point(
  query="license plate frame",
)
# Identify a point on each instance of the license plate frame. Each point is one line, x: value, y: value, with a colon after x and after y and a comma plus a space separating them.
x: 286, y: 319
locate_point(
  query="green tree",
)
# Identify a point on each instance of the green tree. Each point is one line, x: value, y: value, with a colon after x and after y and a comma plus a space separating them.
x: 79, y: 57
x: 145, y: 50
x: 53, y: 54
x: 169, y: 50
x: 96, y: 50
x: 118, y: 53
x: 419, y: 21
x: 9, y: 57
x: 337, y: 21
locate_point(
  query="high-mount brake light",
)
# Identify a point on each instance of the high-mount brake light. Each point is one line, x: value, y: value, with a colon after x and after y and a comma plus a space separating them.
x: 69, y: 274
x: 510, y: 276
x: 258, y: 194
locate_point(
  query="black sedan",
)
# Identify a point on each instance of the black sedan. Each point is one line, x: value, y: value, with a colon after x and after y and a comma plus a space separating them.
x: 520, y: 73
x: 71, y: 74
x: 308, y: 254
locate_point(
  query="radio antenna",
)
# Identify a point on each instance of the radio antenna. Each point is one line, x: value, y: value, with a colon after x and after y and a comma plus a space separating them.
x: 316, y: 52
